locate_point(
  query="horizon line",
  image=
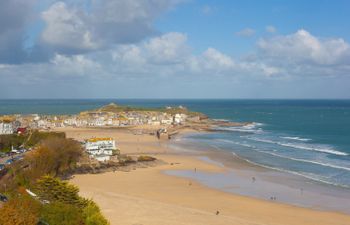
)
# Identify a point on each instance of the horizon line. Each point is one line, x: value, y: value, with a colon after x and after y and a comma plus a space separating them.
x: 174, y: 99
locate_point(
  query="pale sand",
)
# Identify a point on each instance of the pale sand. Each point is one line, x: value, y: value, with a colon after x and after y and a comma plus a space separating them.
x: 149, y: 197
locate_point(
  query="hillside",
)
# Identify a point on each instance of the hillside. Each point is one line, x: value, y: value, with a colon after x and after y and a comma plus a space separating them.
x: 114, y: 108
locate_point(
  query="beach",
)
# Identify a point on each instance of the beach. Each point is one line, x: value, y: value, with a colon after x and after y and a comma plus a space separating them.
x: 150, y: 196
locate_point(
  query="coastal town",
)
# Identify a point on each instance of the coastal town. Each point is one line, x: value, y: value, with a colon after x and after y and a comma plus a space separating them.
x: 109, y: 116
x: 17, y: 123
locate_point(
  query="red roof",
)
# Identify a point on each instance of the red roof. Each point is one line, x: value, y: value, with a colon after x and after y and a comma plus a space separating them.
x: 21, y: 130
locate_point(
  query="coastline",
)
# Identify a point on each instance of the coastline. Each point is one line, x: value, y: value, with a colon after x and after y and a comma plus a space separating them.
x: 249, y: 179
x: 149, y: 196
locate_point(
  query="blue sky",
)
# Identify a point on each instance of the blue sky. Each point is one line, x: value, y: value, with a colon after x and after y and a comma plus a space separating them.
x: 174, y: 49
x: 216, y: 28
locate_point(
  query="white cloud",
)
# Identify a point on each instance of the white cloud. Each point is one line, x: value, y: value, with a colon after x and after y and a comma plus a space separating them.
x: 168, y: 57
x: 270, y: 29
x: 269, y: 70
x: 66, y: 28
x: 214, y: 59
x: 302, y: 47
x: 168, y: 48
x: 71, y: 28
x: 129, y: 55
x: 247, y: 32
x: 77, y: 65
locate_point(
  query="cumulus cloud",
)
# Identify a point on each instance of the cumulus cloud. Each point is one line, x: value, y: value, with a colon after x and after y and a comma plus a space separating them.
x: 67, y: 28
x: 168, y: 48
x: 302, y: 47
x: 115, y: 41
x: 168, y: 55
x: 70, y: 28
x: 214, y: 59
x: 60, y: 68
x: 73, y: 27
x: 76, y: 65
x: 247, y: 32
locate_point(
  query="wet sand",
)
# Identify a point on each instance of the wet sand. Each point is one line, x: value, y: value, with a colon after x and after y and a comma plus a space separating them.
x: 149, y: 196
x: 244, y: 178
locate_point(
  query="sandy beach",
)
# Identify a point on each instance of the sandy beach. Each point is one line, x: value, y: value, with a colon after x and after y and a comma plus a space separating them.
x: 150, y: 197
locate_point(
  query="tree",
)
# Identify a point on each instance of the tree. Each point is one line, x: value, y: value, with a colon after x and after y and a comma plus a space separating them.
x: 54, y: 190
x: 36, y: 137
x: 66, y: 153
x: 21, y: 210
x: 93, y: 215
x: 59, y: 213
x: 61, y: 193
x: 54, y: 156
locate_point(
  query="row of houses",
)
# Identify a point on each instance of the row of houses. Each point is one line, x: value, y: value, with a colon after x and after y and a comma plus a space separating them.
x: 91, y: 119
x: 103, y: 120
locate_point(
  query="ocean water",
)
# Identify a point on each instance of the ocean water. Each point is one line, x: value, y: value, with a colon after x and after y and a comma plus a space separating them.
x: 310, y: 138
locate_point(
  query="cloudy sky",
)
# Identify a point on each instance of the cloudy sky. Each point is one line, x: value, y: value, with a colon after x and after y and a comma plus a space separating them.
x: 174, y: 49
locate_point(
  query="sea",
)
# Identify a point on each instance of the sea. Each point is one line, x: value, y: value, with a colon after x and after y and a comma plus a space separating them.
x: 307, y: 138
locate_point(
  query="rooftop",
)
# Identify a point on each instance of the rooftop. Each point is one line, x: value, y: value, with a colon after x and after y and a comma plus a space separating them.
x: 99, y: 139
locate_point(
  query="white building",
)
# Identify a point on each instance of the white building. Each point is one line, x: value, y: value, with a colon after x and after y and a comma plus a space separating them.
x: 71, y: 121
x: 44, y: 124
x: 179, y: 118
x: 167, y: 121
x: 97, y: 122
x: 102, y: 157
x: 100, y: 148
x: 82, y: 123
x: 6, y: 128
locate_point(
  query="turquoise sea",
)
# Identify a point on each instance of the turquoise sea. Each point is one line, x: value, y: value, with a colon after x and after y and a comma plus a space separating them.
x: 310, y: 138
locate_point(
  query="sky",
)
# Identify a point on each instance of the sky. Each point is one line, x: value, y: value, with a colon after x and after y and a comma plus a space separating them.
x: 175, y: 49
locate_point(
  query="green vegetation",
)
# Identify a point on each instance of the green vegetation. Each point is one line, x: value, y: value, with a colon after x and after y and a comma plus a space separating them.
x: 9, y: 140
x: 54, y: 156
x: 54, y: 190
x: 27, y: 140
x: 20, y: 210
x: 145, y: 158
x: 114, y: 108
x: 125, y: 159
x: 63, y: 206
x: 66, y: 205
x: 61, y: 214
x: 57, y: 201
x: 37, y: 136
x: 92, y: 215
x: 116, y: 152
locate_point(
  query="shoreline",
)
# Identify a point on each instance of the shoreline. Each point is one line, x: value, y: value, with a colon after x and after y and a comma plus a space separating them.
x: 180, y: 187
x: 287, y: 188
